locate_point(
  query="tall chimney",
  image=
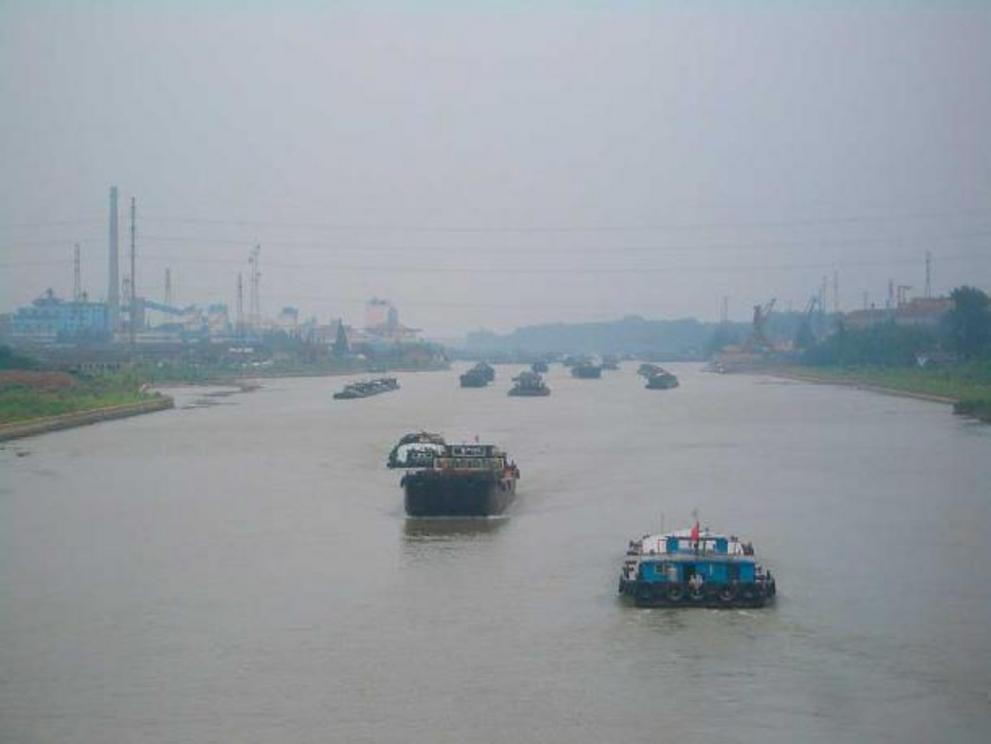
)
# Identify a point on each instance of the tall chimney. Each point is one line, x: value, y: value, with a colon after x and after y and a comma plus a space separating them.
x: 113, y: 280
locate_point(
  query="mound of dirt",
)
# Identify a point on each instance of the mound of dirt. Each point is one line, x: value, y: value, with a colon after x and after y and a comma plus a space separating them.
x: 36, y: 380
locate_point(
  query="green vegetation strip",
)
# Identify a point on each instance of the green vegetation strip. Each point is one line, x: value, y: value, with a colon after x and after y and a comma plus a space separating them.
x: 968, y: 386
x: 27, y: 399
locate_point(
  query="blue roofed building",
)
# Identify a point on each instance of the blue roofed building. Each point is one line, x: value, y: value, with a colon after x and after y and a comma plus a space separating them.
x: 50, y: 318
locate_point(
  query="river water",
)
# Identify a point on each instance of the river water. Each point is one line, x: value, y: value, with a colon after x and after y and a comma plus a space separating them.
x: 240, y: 569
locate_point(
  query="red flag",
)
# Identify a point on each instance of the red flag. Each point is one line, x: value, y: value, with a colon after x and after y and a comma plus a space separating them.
x: 695, y: 532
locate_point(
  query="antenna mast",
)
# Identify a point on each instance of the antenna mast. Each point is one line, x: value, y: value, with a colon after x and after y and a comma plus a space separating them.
x: 239, y: 323
x: 254, y: 298
x: 134, y: 281
x: 113, y: 279
x: 77, y: 282
x: 929, y: 274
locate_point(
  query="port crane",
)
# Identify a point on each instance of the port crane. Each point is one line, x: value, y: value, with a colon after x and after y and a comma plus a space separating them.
x: 806, y: 335
x: 757, y: 342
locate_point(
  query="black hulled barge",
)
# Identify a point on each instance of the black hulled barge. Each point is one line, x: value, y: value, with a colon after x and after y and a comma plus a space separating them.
x: 463, y: 480
x: 478, y: 376
x: 529, y: 384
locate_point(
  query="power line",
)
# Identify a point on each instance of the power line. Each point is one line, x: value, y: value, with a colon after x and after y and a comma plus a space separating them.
x: 435, y: 269
x: 369, y: 227
x: 682, y: 248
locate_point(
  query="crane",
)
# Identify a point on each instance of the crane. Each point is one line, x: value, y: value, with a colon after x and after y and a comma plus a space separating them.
x: 758, y: 340
x: 805, y: 336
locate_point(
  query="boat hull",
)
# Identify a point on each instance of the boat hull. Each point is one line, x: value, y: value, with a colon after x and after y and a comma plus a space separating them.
x: 647, y: 594
x: 433, y: 494
x: 526, y: 393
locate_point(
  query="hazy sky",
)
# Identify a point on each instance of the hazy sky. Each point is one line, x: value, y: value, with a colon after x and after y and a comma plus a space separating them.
x: 494, y: 164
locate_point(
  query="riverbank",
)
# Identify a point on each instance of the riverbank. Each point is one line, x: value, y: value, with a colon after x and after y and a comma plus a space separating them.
x: 967, y: 389
x: 227, y: 375
x: 44, y: 424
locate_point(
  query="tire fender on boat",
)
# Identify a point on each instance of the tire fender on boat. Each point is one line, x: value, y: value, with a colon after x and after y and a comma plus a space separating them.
x: 728, y: 593
x: 675, y: 593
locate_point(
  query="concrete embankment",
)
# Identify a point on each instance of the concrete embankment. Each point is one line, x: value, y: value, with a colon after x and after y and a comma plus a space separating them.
x: 28, y: 428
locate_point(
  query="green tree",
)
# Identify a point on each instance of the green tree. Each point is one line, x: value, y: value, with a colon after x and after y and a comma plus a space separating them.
x: 969, y: 321
x: 724, y: 335
x: 341, y: 345
x: 804, y: 338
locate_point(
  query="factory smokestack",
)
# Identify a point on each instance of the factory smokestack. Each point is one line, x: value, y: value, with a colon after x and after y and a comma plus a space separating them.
x: 113, y: 280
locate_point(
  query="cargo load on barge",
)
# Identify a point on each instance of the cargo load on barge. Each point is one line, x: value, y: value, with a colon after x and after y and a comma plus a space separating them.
x: 586, y: 371
x: 478, y: 376
x: 529, y: 384
x: 657, y: 377
x: 694, y: 568
x: 367, y: 388
x: 463, y: 480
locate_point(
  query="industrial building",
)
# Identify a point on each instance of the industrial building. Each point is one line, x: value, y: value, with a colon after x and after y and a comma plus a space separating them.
x: 50, y: 318
x: 919, y: 312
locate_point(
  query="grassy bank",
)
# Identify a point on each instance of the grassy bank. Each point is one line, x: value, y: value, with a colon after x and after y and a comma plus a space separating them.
x: 967, y: 385
x: 25, y: 396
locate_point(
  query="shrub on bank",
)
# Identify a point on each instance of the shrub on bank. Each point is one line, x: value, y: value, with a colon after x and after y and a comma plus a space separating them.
x: 53, y: 394
x: 977, y: 407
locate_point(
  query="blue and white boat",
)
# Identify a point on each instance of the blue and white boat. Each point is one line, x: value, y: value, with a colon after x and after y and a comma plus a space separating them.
x: 694, y: 568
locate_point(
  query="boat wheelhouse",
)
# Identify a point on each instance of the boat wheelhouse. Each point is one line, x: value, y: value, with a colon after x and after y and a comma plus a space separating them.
x: 694, y: 568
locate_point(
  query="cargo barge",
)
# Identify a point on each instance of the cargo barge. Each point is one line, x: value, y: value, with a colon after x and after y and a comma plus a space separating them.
x: 529, y: 384
x: 586, y: 371
x: 453, y: 480
x: 694, y: 568
x: 478, y: 376
x: 367, y: 388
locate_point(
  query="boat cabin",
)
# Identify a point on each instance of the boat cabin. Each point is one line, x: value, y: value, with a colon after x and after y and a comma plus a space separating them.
x: 681, y: 569
x: 471, y: 457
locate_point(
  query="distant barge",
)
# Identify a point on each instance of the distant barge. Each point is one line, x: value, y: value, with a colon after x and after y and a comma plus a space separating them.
x: 694, y: 568
x: 367, y: 388
x: 478, y: 376
x: 529, y: 384
x: 464, y: 480
x: 657, y: 377
x: 586, y: 371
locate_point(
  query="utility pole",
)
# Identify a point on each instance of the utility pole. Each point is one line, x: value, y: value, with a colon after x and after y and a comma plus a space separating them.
x: 929, y: 274
x: 239, y: 327
x: 77, y: 281
x: 113, y: 279
x: 168, y: 286
x: 134, y: 279
x: 254, y: 298
x: 836, y: 291
x: 891, y: 295
x: 903, y: 290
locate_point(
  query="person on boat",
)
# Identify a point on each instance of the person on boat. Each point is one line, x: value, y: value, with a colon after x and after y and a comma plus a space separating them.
x: 695, y: 583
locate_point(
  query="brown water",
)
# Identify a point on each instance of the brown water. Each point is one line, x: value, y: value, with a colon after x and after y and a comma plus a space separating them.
x: 244, y: 572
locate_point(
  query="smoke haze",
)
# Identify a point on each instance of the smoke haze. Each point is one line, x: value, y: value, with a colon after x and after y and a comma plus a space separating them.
x: 499, y: 164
